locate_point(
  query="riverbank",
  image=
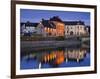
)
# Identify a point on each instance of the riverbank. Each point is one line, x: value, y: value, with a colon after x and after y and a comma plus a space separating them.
x: 40, y: 45
x: 56, y: 42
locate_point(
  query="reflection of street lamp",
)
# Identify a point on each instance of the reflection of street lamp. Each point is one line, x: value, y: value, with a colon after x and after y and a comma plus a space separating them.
x: 66, y: 60
x: 77, y: 59
x: 40, y: 65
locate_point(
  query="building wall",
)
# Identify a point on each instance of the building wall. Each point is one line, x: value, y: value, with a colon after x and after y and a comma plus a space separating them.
x: 60, y: 28
x: 27, y: 29
x: 74, y: 30
x: 46, y: 31
x: 50, y: 31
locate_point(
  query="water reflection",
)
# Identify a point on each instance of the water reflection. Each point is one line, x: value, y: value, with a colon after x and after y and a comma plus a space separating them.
x: 54, y: 58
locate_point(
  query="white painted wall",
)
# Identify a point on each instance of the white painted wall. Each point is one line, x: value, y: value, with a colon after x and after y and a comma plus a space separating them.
x: 76, y: 29
x: 5, y: 40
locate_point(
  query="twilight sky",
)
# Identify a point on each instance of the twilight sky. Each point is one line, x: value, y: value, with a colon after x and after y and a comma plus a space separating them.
x: 36, y: 15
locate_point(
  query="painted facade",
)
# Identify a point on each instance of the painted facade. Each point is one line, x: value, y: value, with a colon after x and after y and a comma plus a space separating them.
x: 55, y: 27
x: 76, y: 28
x: 28, y: 28
x: 52, y: 27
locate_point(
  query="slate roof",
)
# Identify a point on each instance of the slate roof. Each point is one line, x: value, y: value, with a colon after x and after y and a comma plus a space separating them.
x: 29, y: 24
x: 56, y: 18
x: 74, y: 23
x: 48, y: 23
x: 22, y: 23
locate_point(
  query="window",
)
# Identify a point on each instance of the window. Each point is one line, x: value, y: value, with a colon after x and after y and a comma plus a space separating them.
x: 71, y: 27
x: 78, y: 27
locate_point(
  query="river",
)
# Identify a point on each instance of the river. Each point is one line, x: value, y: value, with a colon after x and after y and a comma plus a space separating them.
x: 59, y: 57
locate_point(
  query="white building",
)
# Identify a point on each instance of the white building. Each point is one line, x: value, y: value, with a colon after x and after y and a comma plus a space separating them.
x: 75, y: 28
x: 28, y: 28
x: 40, y: 29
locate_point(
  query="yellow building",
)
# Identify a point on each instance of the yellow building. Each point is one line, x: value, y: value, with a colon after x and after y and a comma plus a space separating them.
x: 59, y: 25
x: 53, y: 27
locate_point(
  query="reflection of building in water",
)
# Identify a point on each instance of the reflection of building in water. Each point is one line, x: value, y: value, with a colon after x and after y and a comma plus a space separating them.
x: 76, y: 54
x: 56, y: 56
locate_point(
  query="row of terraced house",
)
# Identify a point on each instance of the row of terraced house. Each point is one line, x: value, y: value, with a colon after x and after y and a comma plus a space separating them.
x: 55, y: 27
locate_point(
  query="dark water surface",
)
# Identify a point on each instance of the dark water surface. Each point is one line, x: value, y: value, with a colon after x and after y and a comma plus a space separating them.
x: 55, y: 58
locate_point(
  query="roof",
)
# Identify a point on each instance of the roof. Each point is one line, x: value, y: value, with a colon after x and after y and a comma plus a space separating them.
x: 29, y: 24
x: 56, y: 18
x: 48, y: 23
x: 88, y: 26
x: 22, y: 23
x: 73, y: 22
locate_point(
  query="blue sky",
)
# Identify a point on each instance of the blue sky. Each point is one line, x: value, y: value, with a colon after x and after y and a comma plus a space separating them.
x: 36, y: 15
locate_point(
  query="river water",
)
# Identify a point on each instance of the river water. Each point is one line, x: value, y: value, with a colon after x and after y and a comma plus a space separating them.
x: 56, y: 58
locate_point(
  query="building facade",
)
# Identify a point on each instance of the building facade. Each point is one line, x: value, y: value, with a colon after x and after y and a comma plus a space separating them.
x: 28, y: 28
x: 46, y: 28
x: 75, y: 28
x: 60, y: 26
x: 52, y: 27
x: 55, y: 27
